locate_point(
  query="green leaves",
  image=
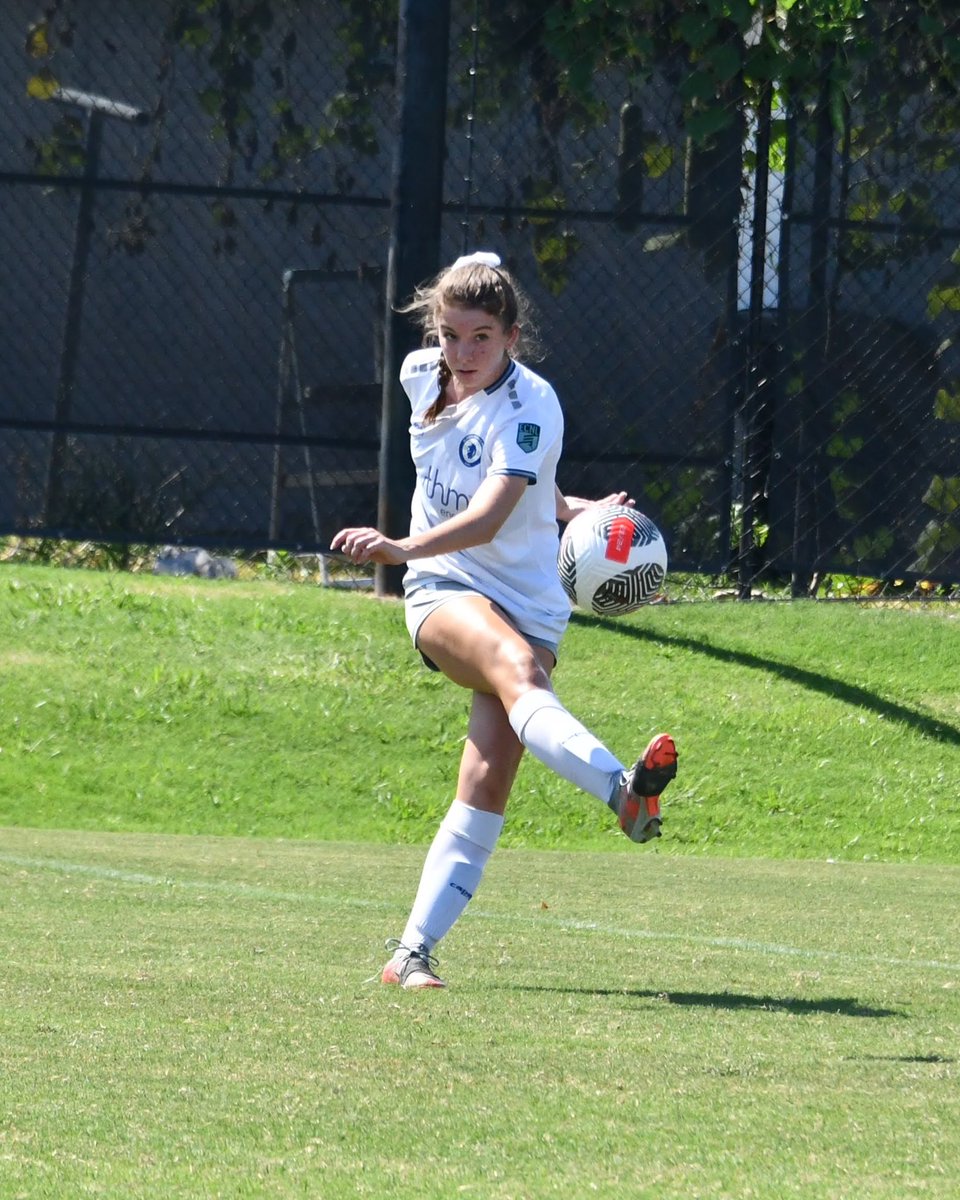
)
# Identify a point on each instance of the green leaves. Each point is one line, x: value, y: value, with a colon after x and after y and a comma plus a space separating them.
x: 38, y: 40
x: 943, y: 494
x: 658, y: 157
x: 946, y: 405
x: 43, y: 86
x: 943, y: 298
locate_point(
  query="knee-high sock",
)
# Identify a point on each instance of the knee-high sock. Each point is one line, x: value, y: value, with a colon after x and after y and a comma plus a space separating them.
x: 557, y: 739
x: 451, y: 872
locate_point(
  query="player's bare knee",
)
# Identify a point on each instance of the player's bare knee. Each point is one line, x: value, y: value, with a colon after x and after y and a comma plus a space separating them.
x: 517, y: 671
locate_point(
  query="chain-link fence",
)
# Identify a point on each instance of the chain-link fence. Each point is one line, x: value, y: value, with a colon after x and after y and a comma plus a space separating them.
x: 742, y: 249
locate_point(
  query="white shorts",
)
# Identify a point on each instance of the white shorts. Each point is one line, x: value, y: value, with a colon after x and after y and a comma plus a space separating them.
x: 427, y: 597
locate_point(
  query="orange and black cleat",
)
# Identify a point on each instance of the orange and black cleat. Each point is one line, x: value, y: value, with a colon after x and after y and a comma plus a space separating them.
x: 637, y: 800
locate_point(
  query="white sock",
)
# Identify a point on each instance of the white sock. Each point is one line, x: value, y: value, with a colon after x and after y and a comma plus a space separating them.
x: 451, y: 872
x: 559, y: 741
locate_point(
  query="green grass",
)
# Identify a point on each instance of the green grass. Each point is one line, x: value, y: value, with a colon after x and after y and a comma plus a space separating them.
x: 134, y: 703
x: 188, y: 1017
x: 765, y: 1003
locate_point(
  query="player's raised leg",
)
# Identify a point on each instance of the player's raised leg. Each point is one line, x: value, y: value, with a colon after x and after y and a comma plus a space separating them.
x: 637, y: 799
x: 476, y: 645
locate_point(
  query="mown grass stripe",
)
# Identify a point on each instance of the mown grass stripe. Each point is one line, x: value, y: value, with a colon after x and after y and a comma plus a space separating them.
x: 256, y: 891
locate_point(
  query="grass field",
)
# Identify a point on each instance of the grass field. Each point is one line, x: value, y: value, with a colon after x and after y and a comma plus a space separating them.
x: 208, y: 793
x: 132, y: 703
x: 189, y: 1017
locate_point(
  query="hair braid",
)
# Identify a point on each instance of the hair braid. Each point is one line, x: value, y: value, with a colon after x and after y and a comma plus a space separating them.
x: 444, y: 375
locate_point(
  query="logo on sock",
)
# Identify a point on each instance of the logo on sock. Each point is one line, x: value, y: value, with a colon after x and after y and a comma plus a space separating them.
x: 462, y: 890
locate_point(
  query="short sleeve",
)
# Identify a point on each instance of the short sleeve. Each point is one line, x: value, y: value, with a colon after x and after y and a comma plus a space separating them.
x: 418, y: 374
x: 526, y: 435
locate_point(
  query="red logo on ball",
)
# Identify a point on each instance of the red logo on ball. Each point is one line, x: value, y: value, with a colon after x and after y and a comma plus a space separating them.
x: 619, y: 540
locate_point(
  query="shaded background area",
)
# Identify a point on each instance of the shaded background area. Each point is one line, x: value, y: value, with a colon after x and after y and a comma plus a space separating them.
x: 747, y: 287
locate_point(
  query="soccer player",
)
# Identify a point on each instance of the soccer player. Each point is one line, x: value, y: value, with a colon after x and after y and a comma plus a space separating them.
x: 483, y: 599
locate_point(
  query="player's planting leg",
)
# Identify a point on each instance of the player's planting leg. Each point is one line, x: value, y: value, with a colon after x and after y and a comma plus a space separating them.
x: 451, y: 874
x: 411, y: 968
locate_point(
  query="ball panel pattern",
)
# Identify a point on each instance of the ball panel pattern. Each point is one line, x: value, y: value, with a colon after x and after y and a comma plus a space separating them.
x: 628, y: 590
x: 567, y: 567
x: 611, y: 560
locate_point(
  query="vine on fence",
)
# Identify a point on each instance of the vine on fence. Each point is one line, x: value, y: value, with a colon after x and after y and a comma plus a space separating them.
x: 865, y: 63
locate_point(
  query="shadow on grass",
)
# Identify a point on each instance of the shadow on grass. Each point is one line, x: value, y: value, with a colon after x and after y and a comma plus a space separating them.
x: 838, y: 689
x: 830, y: 1005
x: 930, y: 1059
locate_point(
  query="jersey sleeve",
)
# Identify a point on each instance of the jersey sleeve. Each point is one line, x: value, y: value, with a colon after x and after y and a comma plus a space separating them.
x: 528, y: 431
x: 418, y: 378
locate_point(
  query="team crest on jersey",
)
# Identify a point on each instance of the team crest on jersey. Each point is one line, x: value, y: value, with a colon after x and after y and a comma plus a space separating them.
x: 528, y: 436
x: 470, y: 450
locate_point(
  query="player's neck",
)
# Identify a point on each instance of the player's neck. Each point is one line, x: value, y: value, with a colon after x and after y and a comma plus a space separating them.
x: 457, y: 390
x: 455, y: 393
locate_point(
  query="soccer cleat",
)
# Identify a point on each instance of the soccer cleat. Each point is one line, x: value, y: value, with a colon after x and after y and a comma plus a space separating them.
x: 411, y: 968
x: 637, y: 801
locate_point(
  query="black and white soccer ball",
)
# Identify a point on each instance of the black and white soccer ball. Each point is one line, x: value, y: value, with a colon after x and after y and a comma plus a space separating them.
x: 611, y: 560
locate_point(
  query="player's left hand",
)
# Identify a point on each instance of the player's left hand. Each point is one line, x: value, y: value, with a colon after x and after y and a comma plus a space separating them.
x: 616, y: 498
x: 569, y: 507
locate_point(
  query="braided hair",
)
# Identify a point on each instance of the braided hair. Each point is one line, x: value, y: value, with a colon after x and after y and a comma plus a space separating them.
x: 474, y: 281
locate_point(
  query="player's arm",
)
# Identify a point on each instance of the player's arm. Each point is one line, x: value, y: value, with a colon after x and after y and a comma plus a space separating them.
x: 479, y: 523
x: 570, y: 506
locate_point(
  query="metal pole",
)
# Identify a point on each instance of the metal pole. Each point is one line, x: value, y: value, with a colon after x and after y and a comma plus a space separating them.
x: 71, y: 332
x: 283, y: 386
x: 755, y: 389
x: 96, y: 108
x: 814, y: 347
x: 414, y: 247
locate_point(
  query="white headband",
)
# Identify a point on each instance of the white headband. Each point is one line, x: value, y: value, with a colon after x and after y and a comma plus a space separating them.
x: 486, y: 257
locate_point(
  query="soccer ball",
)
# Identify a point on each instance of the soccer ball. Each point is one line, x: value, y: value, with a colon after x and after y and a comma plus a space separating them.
x: 611, y: 560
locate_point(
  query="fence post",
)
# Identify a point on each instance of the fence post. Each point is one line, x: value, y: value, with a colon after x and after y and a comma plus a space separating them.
x: 96, y: 109
x: 756, y: 387
x: 816, y: 334
x: 414, y: 246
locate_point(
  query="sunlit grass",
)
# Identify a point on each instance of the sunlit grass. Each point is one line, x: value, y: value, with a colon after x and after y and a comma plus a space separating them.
x: 266, y: 709
x: 190, y: 1017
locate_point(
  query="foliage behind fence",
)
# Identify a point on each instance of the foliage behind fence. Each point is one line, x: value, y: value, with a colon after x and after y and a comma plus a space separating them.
x: 737, y: 221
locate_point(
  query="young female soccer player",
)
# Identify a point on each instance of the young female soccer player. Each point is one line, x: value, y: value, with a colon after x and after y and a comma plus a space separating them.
x: 483, y: 600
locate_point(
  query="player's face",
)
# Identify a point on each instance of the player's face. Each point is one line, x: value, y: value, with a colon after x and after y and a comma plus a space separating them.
x: 475, y: 345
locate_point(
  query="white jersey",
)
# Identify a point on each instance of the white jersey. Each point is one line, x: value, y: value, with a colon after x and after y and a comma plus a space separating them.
x: 514, y: 427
